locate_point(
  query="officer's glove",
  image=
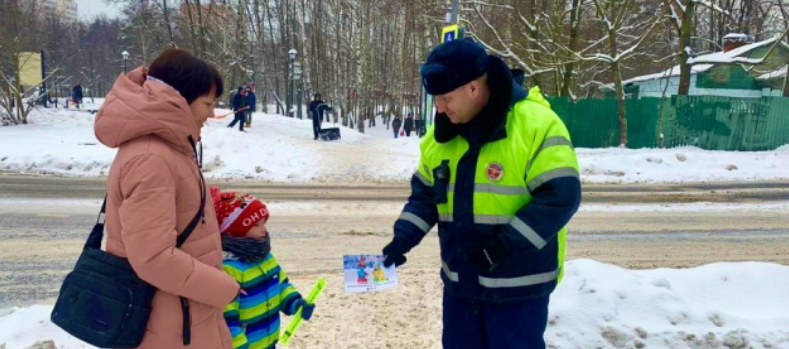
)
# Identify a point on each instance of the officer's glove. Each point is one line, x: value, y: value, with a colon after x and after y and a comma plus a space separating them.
x: 395, y: 253
x: 491, y: 250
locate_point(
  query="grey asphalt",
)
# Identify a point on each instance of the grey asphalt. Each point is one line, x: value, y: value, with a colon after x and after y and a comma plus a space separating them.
x: 60, y: 228
x: 12, y: 186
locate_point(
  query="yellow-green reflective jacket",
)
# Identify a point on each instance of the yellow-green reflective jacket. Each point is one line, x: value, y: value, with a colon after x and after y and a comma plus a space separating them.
x: 501, y: 205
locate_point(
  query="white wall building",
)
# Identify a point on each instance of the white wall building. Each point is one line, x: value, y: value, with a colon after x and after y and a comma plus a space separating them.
x: 66, y: 9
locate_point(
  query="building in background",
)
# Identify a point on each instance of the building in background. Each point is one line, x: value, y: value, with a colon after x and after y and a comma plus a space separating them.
x: 66, y: 9
x: 719, y: 74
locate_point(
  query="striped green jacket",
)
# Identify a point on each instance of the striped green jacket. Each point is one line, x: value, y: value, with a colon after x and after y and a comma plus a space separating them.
x: 253, y: 317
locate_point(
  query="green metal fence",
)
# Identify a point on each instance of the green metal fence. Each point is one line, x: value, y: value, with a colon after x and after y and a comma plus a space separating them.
x: 708, y: 122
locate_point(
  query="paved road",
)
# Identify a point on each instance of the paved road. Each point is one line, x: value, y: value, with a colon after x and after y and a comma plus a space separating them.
x: 44, y: 221
x: 60, y: 187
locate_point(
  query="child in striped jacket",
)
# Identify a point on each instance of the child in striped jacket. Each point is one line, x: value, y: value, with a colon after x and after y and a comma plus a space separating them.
x: 253, y: 317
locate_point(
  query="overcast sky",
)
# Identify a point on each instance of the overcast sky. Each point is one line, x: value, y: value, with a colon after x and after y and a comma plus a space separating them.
x: 88, y: 9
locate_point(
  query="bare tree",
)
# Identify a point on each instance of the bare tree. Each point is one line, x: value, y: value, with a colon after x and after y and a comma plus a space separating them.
x: 515, y: 33
x: 625, y: 29
x: 18, y: 25
x: 681, y: 15
x: 785, y: 15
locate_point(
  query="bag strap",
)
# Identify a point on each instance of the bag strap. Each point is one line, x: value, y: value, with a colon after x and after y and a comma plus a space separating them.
x: 97, y: 234
x: 94, y: 239
x: 197, y: 218
x: 186, y: 322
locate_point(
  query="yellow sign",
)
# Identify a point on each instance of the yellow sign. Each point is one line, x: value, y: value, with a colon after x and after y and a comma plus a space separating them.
x: 450, y: 33
x: 30, y: 69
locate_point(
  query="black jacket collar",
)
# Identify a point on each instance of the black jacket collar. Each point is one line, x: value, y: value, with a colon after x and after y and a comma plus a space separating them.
x: 490, y: 124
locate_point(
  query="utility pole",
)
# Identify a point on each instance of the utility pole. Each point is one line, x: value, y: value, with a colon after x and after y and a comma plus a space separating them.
x: 454, y: 14
x: 451, y: 31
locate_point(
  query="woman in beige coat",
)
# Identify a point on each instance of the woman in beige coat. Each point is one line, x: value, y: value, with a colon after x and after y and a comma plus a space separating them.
x: 154, y: 116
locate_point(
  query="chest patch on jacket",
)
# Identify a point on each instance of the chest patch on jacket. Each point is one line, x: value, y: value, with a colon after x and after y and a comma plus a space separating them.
x: 494, y: 171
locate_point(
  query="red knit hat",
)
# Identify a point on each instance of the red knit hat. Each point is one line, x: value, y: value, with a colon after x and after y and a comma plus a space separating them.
x: 238, y: 213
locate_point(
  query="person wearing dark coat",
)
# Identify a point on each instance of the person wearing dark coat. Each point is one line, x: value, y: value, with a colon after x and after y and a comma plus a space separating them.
x: 76, y: 94
x: 408, y: 124
x: 252, y: 103
x: 419, y: 123
x: 498, y: 174
x: 317, y: 107
x: 396, y: 123
x: 239, y: 102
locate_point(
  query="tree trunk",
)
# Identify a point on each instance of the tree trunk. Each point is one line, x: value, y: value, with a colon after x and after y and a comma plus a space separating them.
x: 616, y: 72
x: 713, y: 39
x: 201, y: 51
x: 20, y: 107
x: 574, y: 36
x: 191, y: 23
x: 684, y: 48
x: 620, y: 103
x: 167, y: 22
x: 274, y: 64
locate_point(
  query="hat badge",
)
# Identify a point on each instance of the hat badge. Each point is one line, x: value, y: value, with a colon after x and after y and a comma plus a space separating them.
x: 494, y: 171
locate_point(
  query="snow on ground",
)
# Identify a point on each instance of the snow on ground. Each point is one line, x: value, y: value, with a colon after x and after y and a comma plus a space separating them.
x: 685, y: 164
x: 281, y: 149
x: 722, y: 305
x: 686, y: 207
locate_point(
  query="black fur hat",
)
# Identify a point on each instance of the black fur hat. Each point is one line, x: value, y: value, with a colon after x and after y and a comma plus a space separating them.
x: 453, y: 64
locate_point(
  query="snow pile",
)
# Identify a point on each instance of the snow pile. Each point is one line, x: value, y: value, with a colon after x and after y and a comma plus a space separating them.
x: 25, y: 326
x: 686, y: 164
x: 282, y: 149
x: 722, y: 305
x: 55, y: 141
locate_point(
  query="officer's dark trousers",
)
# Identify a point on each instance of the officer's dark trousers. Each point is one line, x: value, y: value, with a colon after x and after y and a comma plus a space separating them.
x: 316, y: 126
x: 478, y: 325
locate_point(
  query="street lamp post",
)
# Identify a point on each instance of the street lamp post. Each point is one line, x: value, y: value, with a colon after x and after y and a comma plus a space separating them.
x: 125, y: 55
x: 57, y: 90
x: 299, y: 99
x: 292, y: 53
x: 298, y: 87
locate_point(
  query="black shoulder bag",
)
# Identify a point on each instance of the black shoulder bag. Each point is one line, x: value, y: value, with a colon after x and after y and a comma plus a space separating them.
x: 103, y: 302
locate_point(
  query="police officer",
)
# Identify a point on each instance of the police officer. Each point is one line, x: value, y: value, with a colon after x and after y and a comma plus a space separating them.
x: 499, y: 176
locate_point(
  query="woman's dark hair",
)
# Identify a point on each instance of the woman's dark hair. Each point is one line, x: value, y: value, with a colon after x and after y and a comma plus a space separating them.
x: 192, y: 77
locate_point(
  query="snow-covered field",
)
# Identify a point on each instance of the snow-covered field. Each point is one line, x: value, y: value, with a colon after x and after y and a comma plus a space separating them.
x: 281, y: 149
x: 723, y: 305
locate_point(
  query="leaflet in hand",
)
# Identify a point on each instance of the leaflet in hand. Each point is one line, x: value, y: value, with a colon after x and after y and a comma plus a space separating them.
x: 366, y: 273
